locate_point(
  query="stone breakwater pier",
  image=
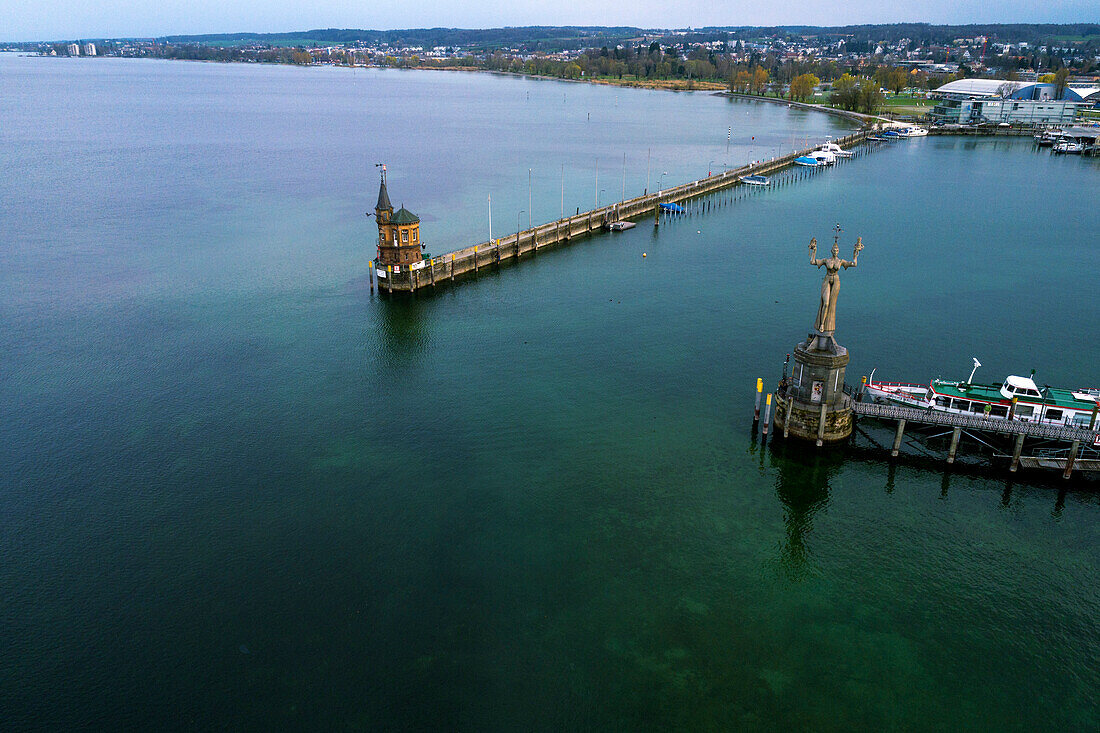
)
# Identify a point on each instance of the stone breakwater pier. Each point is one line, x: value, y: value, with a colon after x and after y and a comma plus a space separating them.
x: 454, y: 265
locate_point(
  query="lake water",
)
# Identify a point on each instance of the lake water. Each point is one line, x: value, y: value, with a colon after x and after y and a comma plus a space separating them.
x: 237, y: 491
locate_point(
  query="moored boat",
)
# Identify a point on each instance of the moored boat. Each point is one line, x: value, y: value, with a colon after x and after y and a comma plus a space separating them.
x: 1016, y: 398
x: 831, y: 147
x: 807, y: 160
x: 1068, y: 145
x: 824, y: 157
x: 621, y: 226
x: 755, y: 180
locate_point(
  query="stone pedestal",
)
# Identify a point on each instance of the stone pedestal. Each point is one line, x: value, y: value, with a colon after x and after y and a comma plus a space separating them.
x: 813, y: 405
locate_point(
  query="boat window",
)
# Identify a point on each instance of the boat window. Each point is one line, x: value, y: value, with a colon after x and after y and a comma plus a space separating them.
x: 1033, y: 392
x: 1000, y: 411
x: 960, y: 404
x: 943, y: 402
x: 1054, y: 415
x: 1024, y: 411
x: 978, y: 407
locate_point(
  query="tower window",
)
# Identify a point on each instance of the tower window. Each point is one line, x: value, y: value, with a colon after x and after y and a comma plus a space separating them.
x: 405, y: 236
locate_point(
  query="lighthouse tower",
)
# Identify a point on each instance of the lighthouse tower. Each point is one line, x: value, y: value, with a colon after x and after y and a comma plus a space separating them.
x: 398, y: 232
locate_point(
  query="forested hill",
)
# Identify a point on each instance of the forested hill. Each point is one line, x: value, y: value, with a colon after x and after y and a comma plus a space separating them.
x: 549, y: 38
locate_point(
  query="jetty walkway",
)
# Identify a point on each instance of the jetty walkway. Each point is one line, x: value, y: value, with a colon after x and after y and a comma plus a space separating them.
x: 1056, y: 446
x: 453, y: 265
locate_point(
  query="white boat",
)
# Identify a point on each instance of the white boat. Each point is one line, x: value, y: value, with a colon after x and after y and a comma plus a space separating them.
x: 807, y: 161
x: 620, y: 226
x: 1068, y: 145
x: 831, y: 147
x: 1016, y: 398
x: 823, y: 157
x: 1047, y: 138
x: 755, y: 180
x: 914, y: 132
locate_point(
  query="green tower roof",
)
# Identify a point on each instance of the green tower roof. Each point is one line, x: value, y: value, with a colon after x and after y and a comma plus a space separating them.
x: 404, y: 216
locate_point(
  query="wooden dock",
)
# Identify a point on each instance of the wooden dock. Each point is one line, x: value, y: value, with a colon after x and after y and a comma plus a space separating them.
x: 469, y: 260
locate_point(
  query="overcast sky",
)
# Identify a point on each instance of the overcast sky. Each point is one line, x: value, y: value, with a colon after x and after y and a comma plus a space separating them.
x: 25, y: 20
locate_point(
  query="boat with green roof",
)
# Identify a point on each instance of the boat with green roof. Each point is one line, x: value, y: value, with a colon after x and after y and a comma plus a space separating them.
x: 1016, y: 398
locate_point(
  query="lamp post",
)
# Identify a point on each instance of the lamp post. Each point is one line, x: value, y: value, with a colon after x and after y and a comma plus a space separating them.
x: 529, y: 198
x: 517, y: 219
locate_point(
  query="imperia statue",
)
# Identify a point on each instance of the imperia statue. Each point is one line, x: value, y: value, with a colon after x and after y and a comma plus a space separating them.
x: 830, y: 286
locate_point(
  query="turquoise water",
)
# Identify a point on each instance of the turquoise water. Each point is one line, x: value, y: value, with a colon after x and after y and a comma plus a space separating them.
x: 239, y: 491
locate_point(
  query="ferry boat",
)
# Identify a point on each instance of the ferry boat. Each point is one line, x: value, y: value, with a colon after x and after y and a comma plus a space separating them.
x: 755, y: 180
x: 1046, y: 405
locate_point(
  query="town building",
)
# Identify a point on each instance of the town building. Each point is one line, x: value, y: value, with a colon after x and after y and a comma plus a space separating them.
x: 74, y: 50
x: 89, y: 49
x: 996, y: 101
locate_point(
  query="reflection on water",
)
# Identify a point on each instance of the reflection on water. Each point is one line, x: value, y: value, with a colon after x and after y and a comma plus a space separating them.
x: 402, y: 324
x: 802, y: 486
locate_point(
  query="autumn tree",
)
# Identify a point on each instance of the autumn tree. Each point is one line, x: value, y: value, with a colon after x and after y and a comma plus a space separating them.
x: 802, y: 86
x: 759, y: 79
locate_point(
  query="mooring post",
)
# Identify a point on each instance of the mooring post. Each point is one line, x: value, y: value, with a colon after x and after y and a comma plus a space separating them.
x: 1012, y: 410
x: 767, y: 412
x: 955, y: 435
x: 759, y: 393
x: 862, y: 388
x: 1016, y: 451
x: 370, y: 264
x: 821, y: 425
x: 1092, y: 422
x: 897, y: 438
x: 1071, y: 458
x: 787, y: 417
x: 475, y: 259
x: 656, y: 215
x: 389, y: 279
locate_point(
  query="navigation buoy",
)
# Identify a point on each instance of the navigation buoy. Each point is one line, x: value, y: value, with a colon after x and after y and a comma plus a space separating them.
x: 643, y: 254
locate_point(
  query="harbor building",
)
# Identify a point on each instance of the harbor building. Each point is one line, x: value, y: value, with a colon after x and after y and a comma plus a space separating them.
x: 398, y: 232
x: 996, y: 101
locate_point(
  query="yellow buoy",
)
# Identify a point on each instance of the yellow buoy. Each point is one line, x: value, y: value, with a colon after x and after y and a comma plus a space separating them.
x: 643, y: 254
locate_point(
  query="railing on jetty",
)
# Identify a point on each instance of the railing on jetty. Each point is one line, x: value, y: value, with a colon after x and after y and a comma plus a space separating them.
x: 999, y: 425
x: 471, y: 259
x: 1080, y: 439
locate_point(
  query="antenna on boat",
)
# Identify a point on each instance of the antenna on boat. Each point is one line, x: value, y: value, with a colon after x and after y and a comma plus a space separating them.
x: 976, y: 365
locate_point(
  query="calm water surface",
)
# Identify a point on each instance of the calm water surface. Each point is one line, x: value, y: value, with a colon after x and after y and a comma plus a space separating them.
x: 237, y: 491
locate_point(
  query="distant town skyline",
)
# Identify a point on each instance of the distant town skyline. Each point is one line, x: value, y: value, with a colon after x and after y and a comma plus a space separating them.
x: 41, y: 20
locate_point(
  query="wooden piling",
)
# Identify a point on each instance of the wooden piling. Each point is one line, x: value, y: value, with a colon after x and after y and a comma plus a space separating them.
x: 759, y: 393
x: 1071, y: 458
x: 389, y: 279
x: 1016, y: 451
x: 787, y: 417
x: 897, y: 438
x: 767, y: 412
x: 955, y: 435
x: 370, y: 264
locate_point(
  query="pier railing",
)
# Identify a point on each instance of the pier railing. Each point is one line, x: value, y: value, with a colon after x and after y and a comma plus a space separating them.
x: 473, y: 258
x: 992, y: 425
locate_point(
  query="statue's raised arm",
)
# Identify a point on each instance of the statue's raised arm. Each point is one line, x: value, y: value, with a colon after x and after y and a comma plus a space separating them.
x: 813, y: 251
x: 855, y: 255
